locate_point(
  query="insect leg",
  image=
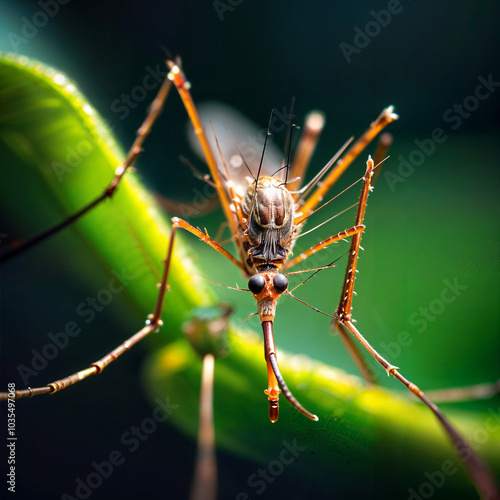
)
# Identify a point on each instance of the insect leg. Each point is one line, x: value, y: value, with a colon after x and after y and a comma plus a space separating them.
x: 307, y: 144
x: 482, y: 477
x: 467, y: 393
x: 323, y: 244
x: 387, y: 116
x: 153, y: 324
x: 182, y: 86
x: 155, y: 109
x: 366, y: 372
x: 204, y: 485
x: 176, y: 222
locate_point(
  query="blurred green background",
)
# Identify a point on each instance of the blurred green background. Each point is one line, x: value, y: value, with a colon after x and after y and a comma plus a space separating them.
x: 439, y: 224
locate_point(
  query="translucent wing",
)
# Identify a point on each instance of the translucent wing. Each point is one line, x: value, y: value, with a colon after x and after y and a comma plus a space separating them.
x: 237, y: 137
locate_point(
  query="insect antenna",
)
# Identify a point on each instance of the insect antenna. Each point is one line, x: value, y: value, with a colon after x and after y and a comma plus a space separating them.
x: 327, y: 220
x: 287, y: 165
x: 309, y: 305
x: 268, y: 133
x: 288, y: 140
x: 302, y: 219
x: 314, y: 271
x: 307, y: 188
x: 196, y: 173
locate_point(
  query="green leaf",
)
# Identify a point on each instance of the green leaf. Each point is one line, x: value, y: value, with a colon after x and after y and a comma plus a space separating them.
x: 373, y: 441
x: 59, y: 148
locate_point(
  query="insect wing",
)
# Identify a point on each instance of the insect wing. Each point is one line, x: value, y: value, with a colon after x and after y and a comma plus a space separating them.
x: 237, y: 137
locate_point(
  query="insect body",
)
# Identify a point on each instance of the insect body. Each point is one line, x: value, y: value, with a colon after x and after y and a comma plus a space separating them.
x: 270, y: 231
x: 268, y: 209
x: 270, y: 221
x: 265, y: 218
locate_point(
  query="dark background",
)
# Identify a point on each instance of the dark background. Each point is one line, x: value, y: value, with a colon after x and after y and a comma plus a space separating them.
x: 427, y: 58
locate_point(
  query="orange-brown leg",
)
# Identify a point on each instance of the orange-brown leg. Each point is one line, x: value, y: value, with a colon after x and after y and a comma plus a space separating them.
x: 176, y: 222
x: 387, y: 116
x: 355, y: 232
x: 182, y: 86
x: 152, y: 324
x: 155, y: 109
x: 482, y: 477
x: 204, y: 484
x: 467, y: 393
x: 313, y: 126
x: 323, y: 244
x: 353, y: 350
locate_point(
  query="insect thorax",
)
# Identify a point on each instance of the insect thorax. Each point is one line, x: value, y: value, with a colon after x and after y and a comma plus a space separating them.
x: 268, y: 208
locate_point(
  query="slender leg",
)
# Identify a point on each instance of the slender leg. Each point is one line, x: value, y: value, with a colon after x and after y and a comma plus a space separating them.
x: 323, y: 244
x: 176, y: 222
x: 387, y: 116
x: 204, y: 485
x: 152, y: 325
x: 482, y: 477
x: 468, y: 393
x: 366, y: 372
x: 312, y: 129
x: 155, y: 109
x: 344, y: 309
x: 182, y: 86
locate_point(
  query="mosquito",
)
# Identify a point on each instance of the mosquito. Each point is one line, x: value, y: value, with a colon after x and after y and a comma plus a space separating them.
x: 266, y: 216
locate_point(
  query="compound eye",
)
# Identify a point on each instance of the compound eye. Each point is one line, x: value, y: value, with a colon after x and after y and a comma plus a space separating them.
x: 256, y: 283
x: 280, y: 283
